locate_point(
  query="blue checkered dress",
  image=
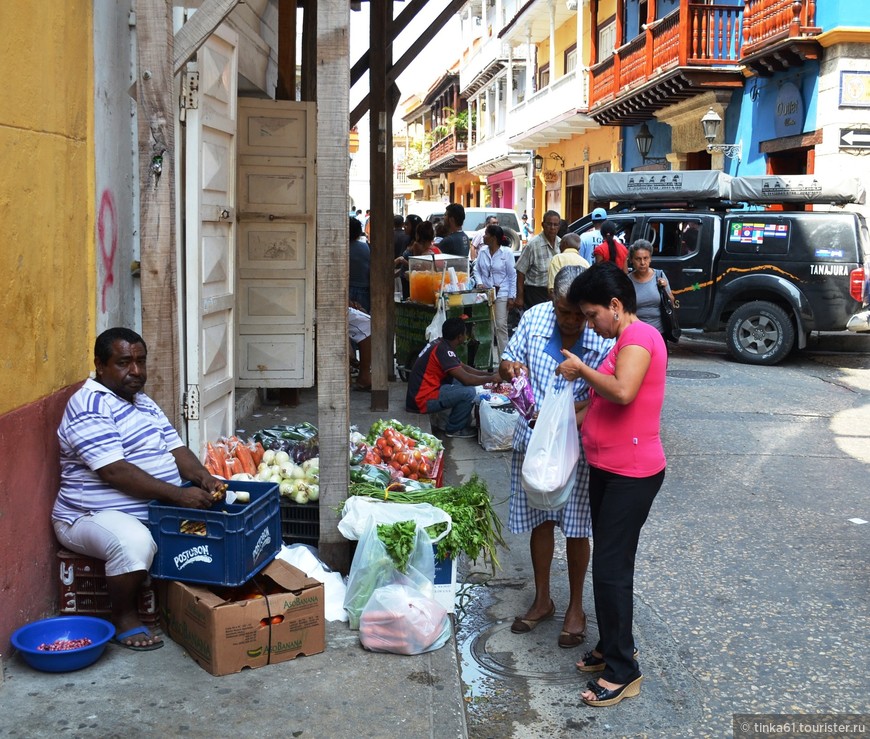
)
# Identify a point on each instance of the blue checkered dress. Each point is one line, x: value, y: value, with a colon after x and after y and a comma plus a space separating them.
x: 536, y: 344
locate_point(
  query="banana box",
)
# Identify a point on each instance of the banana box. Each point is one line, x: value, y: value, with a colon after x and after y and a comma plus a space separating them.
x: 276, y: 617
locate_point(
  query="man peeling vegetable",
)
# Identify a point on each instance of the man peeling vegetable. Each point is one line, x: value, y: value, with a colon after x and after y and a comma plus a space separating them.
x: 118, y: 452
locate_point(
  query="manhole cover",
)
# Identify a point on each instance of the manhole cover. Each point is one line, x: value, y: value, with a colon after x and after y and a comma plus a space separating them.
x: 495, y: 652
x: 692, y: 375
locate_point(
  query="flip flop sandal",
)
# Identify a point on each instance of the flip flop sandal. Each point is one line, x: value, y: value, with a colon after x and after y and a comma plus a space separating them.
x: 593, y: 663
x: 120, y: 640
x: 606, y: 697
x: 526, y: 625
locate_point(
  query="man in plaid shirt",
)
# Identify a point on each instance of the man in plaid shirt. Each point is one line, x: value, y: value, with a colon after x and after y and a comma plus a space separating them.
x: 535, y: 348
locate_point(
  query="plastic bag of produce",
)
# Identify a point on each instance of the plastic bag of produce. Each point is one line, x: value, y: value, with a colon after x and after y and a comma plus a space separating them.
x: 550, y: 464
x: 401, y: 620
x: 372, y: 568
x: 358, y: 511
x: 497, y: 427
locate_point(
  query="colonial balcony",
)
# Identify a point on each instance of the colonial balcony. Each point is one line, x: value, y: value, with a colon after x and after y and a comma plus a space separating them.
x: 492, y: 155
x: 779, y: 34
x: 669, y: 62
x: 446, y: 155
x: 485, y: 62
x: 550, y: 115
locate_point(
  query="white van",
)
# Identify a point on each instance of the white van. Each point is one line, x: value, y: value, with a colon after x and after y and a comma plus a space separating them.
x: 475, y: 219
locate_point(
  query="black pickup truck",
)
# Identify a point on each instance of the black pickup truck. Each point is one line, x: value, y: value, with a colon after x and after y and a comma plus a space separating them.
x: 766, y: 277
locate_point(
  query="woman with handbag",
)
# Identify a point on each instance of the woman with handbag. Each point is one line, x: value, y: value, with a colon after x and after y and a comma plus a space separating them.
x: 620, y: 434
x: 648, y: 285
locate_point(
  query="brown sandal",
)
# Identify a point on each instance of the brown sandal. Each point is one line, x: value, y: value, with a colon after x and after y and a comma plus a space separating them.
x: 526, y: 625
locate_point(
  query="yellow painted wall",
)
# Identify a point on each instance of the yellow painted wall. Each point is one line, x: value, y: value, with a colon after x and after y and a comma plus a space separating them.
x: 47, y: 250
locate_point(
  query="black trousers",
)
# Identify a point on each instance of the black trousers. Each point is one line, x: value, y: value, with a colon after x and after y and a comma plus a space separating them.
x: 620, y: 506
x: 533, y: 294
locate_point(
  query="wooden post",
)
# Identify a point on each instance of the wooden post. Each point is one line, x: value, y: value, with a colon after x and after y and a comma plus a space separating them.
x: 333, y: 402
x: 380, y: 200
x: 286, y: 89
x: 159, y: 264
x: 310, y: 51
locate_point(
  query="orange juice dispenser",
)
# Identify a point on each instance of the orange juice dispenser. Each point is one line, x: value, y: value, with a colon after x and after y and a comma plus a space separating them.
x: 433, y: 273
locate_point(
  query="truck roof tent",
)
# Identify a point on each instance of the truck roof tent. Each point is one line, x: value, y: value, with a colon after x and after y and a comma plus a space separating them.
x: 633, y: 187
x: 805, y: 188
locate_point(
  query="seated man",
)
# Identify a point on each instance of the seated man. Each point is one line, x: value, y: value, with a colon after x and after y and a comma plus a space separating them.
x: 118, y: 452
x: 439, y: 381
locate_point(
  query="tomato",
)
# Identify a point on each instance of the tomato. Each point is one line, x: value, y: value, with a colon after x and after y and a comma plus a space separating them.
x: 414, y: 476
x: 405, y: 470
x: 381, y: 443
x: 277, y: 619
x: 387, y: 454
x: 411, y: 443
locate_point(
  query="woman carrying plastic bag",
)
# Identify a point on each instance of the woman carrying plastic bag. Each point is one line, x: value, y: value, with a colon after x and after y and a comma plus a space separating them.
x: 550, y: 465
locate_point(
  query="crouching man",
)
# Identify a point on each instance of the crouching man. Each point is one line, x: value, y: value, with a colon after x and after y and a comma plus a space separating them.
x: 440, y: 382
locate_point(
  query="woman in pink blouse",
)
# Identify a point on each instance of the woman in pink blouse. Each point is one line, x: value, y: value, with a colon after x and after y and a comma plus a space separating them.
x: 620, y: 431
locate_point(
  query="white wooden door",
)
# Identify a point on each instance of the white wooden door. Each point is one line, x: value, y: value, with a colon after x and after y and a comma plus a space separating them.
x: 275, y: 321
x: 210, y: 240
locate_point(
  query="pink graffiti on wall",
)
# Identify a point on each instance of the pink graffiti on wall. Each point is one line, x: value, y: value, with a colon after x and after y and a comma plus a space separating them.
x: 107, y: 250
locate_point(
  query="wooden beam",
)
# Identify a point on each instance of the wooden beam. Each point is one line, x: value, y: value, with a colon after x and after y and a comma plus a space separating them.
x: 159, y: 264
x: 286, y: 87
x: 310, y: 52
x: 196, y: 30
x: 380, y: 203
x: 332, y: 350
x: 400, y: 23
x: 413, y: 51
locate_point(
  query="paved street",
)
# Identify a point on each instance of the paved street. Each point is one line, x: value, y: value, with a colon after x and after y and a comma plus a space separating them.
x: 752, y: 583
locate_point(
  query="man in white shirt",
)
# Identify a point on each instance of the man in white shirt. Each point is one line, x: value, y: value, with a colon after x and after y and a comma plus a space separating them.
x: 477, y: 239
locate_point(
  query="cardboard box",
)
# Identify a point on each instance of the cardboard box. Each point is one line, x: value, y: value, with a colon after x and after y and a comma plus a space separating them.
x: 225, y: 636
x: 445, y: 583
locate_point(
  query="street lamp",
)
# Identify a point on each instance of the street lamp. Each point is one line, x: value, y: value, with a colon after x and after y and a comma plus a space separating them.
x: 711, y: 122
x: 441, y: 189
x: 539, y: 162
x: 643, y: 140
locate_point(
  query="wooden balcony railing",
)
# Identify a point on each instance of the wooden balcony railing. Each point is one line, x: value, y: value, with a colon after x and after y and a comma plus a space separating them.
x: 765, y: 21
x: 450, y: 144
x: 712, y: 35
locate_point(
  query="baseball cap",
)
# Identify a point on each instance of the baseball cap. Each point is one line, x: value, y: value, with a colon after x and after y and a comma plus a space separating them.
x: 599, y: 214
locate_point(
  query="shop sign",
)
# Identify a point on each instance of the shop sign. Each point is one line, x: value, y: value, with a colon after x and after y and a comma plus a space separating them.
x: 788, y: 118
x: 855, y: 89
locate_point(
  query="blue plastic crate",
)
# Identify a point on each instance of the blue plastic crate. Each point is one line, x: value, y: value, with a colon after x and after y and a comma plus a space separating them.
x: 233, y: 544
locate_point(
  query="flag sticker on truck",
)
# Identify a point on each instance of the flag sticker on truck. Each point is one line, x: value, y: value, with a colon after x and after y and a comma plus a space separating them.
x: 756, y: 233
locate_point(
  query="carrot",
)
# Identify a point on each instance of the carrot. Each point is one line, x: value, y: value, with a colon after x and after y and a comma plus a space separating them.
x: 257, y: 452
x: 246, y: 461
x: 211, y: 460
x: 221, y: 460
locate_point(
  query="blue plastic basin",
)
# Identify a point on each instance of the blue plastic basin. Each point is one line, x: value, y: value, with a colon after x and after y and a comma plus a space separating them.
x: 28, y: 638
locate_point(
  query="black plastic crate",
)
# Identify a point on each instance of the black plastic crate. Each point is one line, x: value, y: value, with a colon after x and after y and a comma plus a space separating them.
x: 300, y: 523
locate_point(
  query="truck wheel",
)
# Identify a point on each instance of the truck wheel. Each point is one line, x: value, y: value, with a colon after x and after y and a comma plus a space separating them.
x: 759, y: 333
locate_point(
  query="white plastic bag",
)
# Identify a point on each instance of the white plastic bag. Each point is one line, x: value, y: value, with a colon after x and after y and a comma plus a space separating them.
x: 401, y: 620
x: 304, y: 557
x: 433, y: 330
x: 554, y: 448
x: 372, y: 568
x: 358, y: 510
x: 497, y: 427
